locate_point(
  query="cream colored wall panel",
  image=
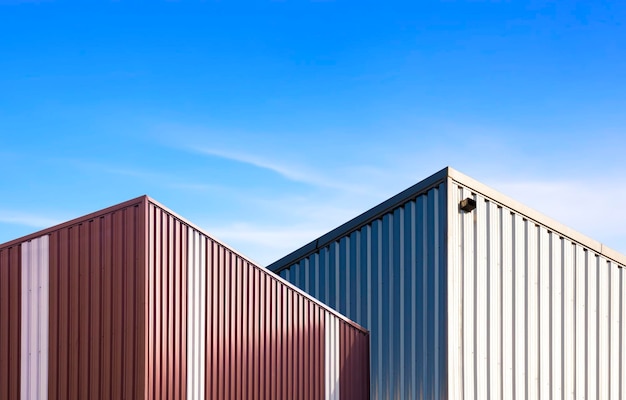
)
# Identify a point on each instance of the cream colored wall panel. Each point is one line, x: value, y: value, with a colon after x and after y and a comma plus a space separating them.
x: 592, y: 331
x: 545, y: 306
x: 494, y: 270
x: 532, y: 312
x: 614, y: 330
x: 580, y: 333
x: 542, y: 322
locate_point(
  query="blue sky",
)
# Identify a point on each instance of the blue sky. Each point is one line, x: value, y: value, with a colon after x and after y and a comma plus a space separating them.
x: 268, y: 123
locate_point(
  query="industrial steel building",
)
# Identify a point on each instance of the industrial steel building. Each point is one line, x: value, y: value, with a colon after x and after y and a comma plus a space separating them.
x: 134, y: 302
x: 468, y: 294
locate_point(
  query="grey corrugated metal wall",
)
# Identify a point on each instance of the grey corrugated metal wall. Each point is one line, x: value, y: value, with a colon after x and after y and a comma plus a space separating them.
x: 389, y: 276
x: 532, y: 314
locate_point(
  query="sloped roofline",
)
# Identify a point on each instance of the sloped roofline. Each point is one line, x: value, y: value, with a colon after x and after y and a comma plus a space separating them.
x: 425, y: 185
x: 136, y: 201
x: 258, y: 266
x: 145, y: 200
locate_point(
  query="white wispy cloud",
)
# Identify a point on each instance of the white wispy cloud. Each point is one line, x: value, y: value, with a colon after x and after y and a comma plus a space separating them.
x: 591, y: 206
x: 293, y: 172
x: 27, y: 219
x: 264, y: 243
x: 155, y: 177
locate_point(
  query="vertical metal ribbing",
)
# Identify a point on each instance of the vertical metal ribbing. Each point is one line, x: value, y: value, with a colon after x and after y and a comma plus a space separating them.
x: 559, y: 303
x: 544, y: 300
x: 196, y: 315
x: 390, y: 275
x: 34, y: 343
x: 331, y: 357
x: 622, y: 352
x: 614, y: 323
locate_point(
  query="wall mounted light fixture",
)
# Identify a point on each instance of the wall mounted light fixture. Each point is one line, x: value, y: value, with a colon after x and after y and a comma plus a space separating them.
x: 467, y: 204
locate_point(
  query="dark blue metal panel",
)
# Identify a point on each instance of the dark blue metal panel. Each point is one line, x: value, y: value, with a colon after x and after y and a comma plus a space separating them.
x: 389, y: 276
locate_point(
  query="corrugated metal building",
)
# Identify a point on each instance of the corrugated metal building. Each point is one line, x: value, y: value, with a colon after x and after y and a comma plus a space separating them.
x: 492, y: 302
x: 134, y: 302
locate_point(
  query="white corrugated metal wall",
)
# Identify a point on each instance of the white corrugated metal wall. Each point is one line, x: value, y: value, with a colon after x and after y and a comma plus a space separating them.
x: 531, y: 313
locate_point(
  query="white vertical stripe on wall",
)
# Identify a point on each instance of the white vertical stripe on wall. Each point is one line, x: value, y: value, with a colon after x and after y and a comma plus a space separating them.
x: 331, y: 359
x: 454, y: 312
x: 622, y: 351
x: 569, y: 303
x: 556, y: 339
x: 544, y: 314
x: 614, y: 331
x: 507, y: 306
x: 480, y: 285
x: 603, y: 336
x: 494, y: 269
x: 196, y: 314
x: 551, y: 312
x: 592, y: 317
x: 468, y: 279
x: 580, y: 313
x: 34, y: 328
x: 532, y: 313
x: 520, y: 302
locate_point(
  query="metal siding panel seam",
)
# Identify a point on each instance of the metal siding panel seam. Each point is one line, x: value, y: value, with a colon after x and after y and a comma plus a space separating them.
x: 592, y: 326
x: 508, y: 371
x: 532, y: 312
x: 558, y: 297
x: 469, y: 309
x: 482, y: 280
x: 151, y: 301
x: 202, y: 267
x: 195, y: 376
x: 603, y: 324
x: 614, y: 322
x: 494, y: 301
x: 83, y: 312
x: 6, y: 320
x: 332, y: 357
x: 455, y: 326
x: 34, y: 343
x: 26, y: 320
x: 519, y: 309
x: 580, y: 313
x: 94, y: 307
x: 544, y: 315
x: 622, y: 351
x: 44, y: 296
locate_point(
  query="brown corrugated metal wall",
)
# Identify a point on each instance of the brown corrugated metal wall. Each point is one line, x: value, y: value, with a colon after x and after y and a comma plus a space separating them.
x: 263, y: 339
x: 10, y: 308
x: 167, y: 306
x: 96, y: 301
x: 141, y: 304
x: 353, y: 361
x: 259, y: 337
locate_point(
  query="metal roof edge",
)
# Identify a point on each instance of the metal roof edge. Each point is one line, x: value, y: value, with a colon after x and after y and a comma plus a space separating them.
x: 254, y: 264
x: 74, y: 221
x: 537, y: 216
x: 144, y: 199
x: 196, y: 227
x: 360, y: 220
